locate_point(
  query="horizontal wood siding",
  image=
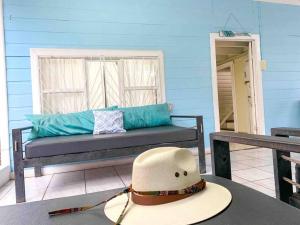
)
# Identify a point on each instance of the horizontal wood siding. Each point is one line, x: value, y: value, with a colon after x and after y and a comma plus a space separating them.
x: 280, y: 43
x: 179, y: 28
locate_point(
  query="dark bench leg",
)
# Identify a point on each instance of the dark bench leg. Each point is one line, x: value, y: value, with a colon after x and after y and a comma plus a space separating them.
x: 201, y: 146
x: 297, y: 176
x: 282, y: 168
x: 20, y: 184
x: 18, y: 166
x: 38, y: 171
x: 220, y: 158
x: 295, y: 198
x: 202, y: 163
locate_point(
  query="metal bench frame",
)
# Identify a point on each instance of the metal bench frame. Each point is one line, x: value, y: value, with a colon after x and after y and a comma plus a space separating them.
x: 283, y: 193
x: 20, y: 162
x: 281, y: 146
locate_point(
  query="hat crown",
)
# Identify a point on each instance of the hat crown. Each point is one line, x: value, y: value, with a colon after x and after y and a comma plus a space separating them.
x: 164, y: 169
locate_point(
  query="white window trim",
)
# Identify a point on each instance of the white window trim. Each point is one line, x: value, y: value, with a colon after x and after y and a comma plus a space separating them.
x: 36, y: 53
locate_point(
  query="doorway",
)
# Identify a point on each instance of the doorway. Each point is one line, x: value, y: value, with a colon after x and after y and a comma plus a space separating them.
x: 237, y: 84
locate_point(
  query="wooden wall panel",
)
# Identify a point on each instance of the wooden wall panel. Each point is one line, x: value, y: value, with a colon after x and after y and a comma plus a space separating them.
x: 179, y: 28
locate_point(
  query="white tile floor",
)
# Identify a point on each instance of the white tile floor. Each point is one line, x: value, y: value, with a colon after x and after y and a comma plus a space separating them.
x: 252, y: 167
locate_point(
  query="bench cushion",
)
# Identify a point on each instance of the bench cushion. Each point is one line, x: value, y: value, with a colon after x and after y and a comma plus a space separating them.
x: 51, y: 146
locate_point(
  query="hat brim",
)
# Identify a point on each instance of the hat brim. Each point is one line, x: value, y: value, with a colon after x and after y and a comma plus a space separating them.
x: 199, y: 207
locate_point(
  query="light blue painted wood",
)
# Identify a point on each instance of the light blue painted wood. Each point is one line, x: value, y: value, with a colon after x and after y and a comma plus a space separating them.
x: 179, y: 28
x: 281, y: 84
x: 26, y: 37
x: 94, y: 4
x: 280, y: 47
x: 19, y: 88
x: 17, y: 62
x: 18, y: 123
x: 192, y: 83
x: 110, y: 13
x: 18, y: 75
x: 289, y: 68
x: 281, y: 94
x: 188, y: 79
x: 19, y: 101
x: 186, y: 94
x: 104, y: 28
x: 20, y: 49
x: 19, y: 113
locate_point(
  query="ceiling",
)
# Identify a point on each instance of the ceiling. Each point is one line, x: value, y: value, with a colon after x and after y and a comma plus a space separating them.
x: 229, y: 49
x: 288, y: 2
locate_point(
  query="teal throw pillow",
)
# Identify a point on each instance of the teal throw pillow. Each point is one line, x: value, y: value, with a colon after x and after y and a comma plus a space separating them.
x: 62, y: 124
x: 146, y: 116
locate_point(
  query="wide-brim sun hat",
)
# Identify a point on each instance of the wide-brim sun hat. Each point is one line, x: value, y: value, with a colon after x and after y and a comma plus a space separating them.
x: 167, y: 189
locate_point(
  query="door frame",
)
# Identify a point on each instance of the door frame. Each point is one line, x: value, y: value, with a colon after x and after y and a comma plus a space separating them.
x: 230, y: 64
x: 257, y: 73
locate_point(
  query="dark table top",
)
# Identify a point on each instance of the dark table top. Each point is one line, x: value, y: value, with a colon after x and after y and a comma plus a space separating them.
x: 248, y: 207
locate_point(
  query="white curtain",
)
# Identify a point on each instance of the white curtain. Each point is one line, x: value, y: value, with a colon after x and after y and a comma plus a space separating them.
x: 112, y: 83
x: 95, y: 76
x: 62, y: 83
x: 72, y: 85
x: 141, y: 82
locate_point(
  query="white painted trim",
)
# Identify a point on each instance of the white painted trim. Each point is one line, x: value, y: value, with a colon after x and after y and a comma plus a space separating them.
x: 36, y: 53
x: 214, y: 79
x: 162, y: 77
x: 286, y: 2
x: 35, y: 82
x: 255, y: 38
x: 4, y: 130
x: 259, y: 85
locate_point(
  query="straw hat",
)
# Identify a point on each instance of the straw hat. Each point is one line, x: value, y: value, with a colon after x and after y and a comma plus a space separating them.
x: 167, y: 189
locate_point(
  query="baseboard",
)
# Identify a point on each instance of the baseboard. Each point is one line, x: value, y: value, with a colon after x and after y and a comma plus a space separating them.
x: 48, y: 170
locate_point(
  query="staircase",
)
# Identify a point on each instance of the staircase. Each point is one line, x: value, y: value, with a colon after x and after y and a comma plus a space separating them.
x: 227, y: 122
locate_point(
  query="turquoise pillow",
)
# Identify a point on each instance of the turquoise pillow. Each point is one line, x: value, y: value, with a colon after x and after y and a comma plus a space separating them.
x: 146, y: 116
x: 62, y: 124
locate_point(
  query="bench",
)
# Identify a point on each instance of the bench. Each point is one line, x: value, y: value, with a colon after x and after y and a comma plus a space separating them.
x: 282, y: 147
x: 287, y: 132
x: 77, y: 148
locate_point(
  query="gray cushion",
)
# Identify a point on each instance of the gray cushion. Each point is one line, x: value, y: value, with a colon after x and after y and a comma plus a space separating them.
x: 61, y: 145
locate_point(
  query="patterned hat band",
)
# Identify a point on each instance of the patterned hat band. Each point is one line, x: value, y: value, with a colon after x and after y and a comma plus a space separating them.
x: 162, y: 197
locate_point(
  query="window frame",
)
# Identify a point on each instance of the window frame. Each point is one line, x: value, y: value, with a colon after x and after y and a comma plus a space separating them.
x: 37, y: 53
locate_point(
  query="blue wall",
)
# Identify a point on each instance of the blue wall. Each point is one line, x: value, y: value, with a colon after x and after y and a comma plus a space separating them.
x: 179, y: 28
x: 280, y: 45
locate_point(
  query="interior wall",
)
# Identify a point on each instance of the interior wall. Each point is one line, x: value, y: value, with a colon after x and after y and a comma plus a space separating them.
x: 224, y: 79
x: 179, y: 28
x: 242, y: 105
x: 281, y: 80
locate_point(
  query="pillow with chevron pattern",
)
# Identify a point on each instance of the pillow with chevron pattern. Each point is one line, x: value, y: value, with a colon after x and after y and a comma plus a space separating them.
x: 108, y: 122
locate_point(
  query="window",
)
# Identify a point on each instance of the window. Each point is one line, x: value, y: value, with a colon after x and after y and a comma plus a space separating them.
x: 72, y: 83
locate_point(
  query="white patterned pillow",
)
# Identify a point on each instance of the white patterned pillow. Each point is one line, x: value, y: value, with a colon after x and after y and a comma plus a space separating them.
x: 108, y: 122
